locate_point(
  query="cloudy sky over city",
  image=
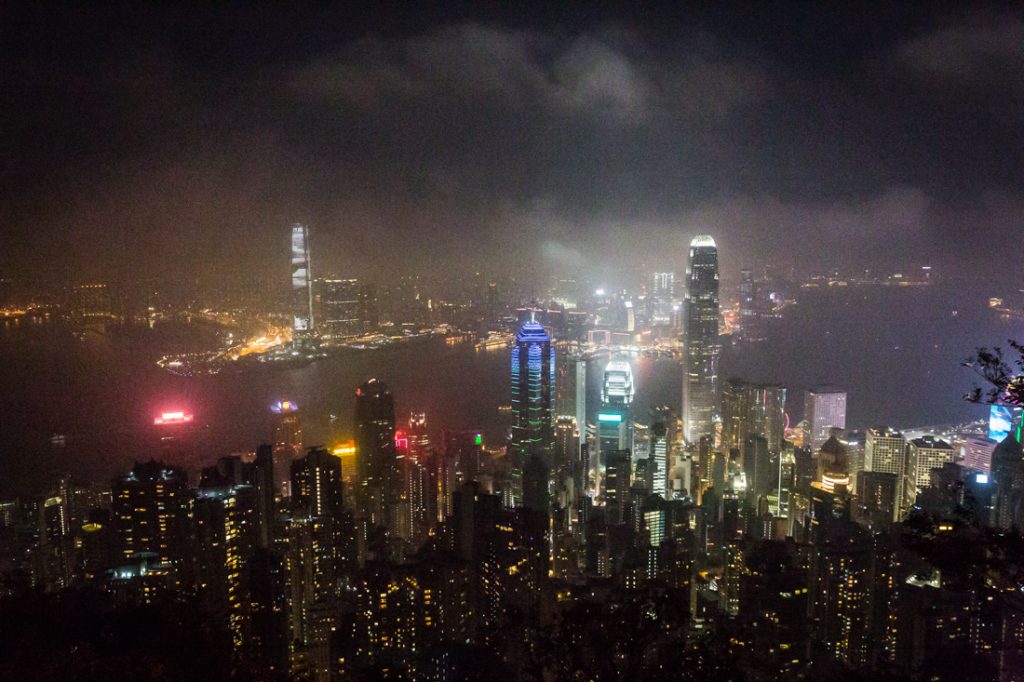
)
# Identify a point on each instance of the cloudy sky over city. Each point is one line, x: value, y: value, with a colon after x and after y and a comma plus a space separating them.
x: 187, y: 139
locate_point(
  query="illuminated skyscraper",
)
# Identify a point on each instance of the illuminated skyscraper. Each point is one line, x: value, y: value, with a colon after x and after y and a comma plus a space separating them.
x: 318, y: 545
x: 376, y: 456
x: 419, y: 439
x: 977, y: 452
x: 614, y: 420
x: 663, y: 285
x: 659, y: 456
x: 700, y: 337
x: 923, y: 455
x: 618, y: 474
x: 340, y: 307
x: 824, y: 409
x: 885, y: 451
x: 316, y: 485
x: 55, y: 540
x: 750, y: 409
x: 225, y: 528
x: 533, y: 378
x: 565, y: 441
x: 302, y: 277
x: 581, y: 398
x: 287, y: 443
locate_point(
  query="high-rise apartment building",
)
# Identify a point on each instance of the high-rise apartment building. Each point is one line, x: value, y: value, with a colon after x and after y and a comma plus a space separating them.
x: 150, y: 508
x: 700, y: 338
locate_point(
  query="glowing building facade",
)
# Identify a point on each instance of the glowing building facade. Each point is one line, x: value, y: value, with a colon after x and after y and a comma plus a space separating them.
x: 533, y: 379
x: 302, y: 278
x: 700, y: 338
x: 614, y: 420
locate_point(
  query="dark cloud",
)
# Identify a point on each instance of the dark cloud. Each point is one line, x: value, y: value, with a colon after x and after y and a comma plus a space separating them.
x: 185, y: 142
x: 984, y: 47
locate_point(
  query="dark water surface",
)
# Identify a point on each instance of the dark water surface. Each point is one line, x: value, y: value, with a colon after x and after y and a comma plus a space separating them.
x: 897, y: 352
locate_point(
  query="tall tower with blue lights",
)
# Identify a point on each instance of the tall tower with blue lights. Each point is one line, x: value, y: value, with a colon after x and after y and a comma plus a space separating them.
x: 700, y: 339
x: 533, y: 391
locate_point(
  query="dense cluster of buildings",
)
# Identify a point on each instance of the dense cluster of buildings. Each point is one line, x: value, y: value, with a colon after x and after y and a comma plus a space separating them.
x: 600, y: 541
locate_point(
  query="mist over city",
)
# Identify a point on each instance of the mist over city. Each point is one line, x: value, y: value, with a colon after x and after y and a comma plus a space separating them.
x: 413, y: 342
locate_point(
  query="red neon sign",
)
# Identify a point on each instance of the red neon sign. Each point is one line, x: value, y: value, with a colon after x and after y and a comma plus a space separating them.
x: 177, y: 417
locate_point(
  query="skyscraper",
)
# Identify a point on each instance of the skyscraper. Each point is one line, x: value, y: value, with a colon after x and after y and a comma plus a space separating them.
x: 225, y: 528
x: 580, y: 364
x: 302, y: 290
x: 340, y: 307
x: 923, y: 455
x: 419, y: 439
x: 618, y: 473
x: 316, y: 485
x: 977, y: 452
x: 662, y: 287
x: 700, y: 337
x: 824, y: 409
x: 287, y: 443
x: 885, y: 451
x: 614, y: 421
x: 659, y: 456
x: 533, y: 378
x: 375, y: 456
x: 750, y: 409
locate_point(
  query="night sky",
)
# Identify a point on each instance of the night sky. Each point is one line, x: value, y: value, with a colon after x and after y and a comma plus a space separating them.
x: 182, y: 141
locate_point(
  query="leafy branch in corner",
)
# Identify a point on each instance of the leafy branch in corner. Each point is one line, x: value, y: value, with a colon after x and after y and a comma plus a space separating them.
x: 1001, y: 378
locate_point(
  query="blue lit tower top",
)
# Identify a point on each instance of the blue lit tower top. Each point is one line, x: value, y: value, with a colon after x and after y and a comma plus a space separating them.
x: 533, y: 390
x: 702, y: 348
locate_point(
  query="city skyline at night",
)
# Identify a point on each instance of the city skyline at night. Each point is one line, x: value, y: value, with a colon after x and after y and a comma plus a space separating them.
x: 490, y: 341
